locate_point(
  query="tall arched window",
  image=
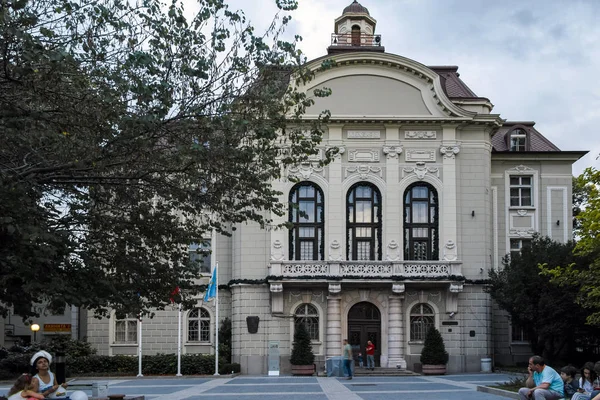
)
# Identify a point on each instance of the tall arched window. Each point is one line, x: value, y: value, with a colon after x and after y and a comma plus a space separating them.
x: 422, y: 318
x: 356, y: 35
x: 420, y: 223
x: 199, y: 325
x: 307, y: 214
x: 308, y: 315
x: 363, y: 210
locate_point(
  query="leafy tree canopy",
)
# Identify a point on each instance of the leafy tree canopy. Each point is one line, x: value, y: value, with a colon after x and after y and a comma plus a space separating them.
x: 555, y: 323
x: 584, y: 279
x: 128, y: 131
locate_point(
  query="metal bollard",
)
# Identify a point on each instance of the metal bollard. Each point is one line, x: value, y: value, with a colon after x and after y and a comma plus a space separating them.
x: 60, y: 367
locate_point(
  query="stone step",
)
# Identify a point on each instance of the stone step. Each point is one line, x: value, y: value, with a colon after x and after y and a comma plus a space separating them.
x: 383, y: 372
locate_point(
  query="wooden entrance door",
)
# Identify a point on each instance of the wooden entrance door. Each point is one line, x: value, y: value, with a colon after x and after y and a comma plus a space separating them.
x: 364, y: 323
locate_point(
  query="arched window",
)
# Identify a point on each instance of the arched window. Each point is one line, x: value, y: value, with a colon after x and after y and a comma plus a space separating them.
x: 307, y: 214
x: 308, y: 315
x: 363, y: 210
x: 518, y: 140
x: 420, y: 223
x: 356, y: 35
x: 422, y: 318
x: 199, y: 325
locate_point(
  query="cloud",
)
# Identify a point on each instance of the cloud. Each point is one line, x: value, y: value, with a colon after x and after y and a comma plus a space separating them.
x: 537, y: 60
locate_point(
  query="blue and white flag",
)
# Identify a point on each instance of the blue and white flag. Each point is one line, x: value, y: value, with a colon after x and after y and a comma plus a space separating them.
x: 211, y: 291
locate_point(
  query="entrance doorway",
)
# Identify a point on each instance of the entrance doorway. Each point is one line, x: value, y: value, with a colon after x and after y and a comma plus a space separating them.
x: 364, y: 323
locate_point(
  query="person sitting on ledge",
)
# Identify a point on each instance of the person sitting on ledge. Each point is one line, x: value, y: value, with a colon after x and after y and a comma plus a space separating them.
x: 543, y: 382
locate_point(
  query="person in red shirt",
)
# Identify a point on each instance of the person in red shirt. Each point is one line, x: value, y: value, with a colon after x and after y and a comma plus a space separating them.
x: 370, y: 355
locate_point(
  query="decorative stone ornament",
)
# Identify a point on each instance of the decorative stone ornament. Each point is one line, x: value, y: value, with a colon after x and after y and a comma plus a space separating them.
x: 450, y: 151
x: 450, y: 251
x: 398, y: 288
x: 335, y: 288
x: 392, y: 151
x: 277, y: 253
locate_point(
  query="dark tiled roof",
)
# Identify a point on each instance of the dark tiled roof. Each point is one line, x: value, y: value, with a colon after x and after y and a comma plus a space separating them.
x: 355, y: 8
x: 451, y: 82
x: 537, y: 141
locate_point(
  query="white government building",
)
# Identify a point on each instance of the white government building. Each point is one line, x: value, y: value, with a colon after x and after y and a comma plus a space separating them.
x: 429, y: 191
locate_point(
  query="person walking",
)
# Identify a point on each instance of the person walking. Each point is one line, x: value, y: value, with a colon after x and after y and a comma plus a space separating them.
x: 348, y: 358
x: 370, y: 350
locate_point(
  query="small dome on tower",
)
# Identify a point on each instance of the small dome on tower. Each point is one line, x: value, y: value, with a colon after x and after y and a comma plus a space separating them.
x: 356, y: 8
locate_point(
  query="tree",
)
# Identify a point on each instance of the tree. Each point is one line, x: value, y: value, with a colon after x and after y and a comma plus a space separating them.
x: 434, y: 351
x: 302, y: 353
x: 555, y: 323
x: 585, y: 279
x: 130, y: 130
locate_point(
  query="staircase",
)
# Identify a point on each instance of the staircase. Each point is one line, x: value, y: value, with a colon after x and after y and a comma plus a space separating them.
x: 383, y: 372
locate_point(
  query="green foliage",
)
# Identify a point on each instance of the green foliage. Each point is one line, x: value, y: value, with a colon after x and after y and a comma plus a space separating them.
x: 225, y: 334
x: 226, y: 369
x: 129, y: 130
x: 434, y: 351
x: 555, y: 323
x: 584, y: 279
x: 302, y: 353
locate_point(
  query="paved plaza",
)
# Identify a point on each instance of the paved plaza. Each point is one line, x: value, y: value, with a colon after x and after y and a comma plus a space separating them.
x: 449, y: 387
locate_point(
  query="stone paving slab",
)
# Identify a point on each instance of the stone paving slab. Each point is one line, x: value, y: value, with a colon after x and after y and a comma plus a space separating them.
x: 447, y: 387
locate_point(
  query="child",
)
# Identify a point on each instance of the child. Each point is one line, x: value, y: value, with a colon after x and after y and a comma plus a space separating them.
x: 568, y: 376
x: 22, y: 389
x: 586, y: 382
x: 360, y: 360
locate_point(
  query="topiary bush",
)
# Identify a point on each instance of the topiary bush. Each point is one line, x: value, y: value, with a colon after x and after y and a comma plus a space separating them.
x: 434, y: 351
x: 302, y: 353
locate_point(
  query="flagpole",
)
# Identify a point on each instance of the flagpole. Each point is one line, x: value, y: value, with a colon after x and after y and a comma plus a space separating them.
x: 179, y: 342
x: 217, y: 320
x: 140, y: 348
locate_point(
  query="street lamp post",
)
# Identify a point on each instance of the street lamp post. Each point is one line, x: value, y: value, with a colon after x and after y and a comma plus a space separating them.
x: 35, y: 328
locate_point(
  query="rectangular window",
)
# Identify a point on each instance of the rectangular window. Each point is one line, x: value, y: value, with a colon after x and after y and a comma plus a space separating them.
x: 516, y: 245
x: 126, y: 330
x: 517, y: 142
x: 521, y: 189
x: 518, y: 334
x: 200, y: 254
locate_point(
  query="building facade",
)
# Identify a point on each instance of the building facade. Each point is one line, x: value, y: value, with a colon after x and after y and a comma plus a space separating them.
x: 428, y: 192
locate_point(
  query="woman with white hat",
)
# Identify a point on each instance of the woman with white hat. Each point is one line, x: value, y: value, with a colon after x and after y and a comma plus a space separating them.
x: 44, y: 381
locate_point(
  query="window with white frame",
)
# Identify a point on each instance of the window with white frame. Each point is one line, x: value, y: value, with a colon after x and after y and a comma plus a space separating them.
x: 200, y: 255
x: 308, y: 315
x: 518, y: 140
x: 516, y: 245
x: 199, y: 325
x: 126, y: 330
x: 521, y: 189
x: 422, y: 318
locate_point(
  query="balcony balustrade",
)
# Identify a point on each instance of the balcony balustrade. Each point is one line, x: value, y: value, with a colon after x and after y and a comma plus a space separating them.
x: 365, y: 269
x: 355, y: 39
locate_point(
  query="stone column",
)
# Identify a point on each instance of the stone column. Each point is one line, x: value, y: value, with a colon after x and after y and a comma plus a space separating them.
x: 396, y: 328
x: 334, y: 322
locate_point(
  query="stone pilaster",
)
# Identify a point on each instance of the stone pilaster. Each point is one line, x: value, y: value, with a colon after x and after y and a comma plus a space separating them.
x: 396, y: 330
x: 449, y: 150
x: 334, y: 326
x: 335, y: 241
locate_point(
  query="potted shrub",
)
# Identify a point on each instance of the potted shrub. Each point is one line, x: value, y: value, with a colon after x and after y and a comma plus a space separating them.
x: 434, y: 356
x: 303, y: 358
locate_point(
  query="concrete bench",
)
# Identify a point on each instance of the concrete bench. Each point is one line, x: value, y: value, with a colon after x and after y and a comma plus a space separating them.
x: 92, y: 389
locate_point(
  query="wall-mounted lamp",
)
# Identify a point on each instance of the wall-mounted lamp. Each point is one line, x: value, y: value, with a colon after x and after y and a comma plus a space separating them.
x: 473, y: 213
x: 452, y: 314
x: 558, y: 222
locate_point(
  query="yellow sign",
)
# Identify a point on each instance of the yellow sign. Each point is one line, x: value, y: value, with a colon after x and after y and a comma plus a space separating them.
x: 57, y: 327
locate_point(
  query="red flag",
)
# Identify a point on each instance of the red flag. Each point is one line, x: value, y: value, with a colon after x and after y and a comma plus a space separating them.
x: 174, y: 293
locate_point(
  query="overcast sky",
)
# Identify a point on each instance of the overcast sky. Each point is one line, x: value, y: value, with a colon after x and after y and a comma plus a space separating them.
x: 536, y: 60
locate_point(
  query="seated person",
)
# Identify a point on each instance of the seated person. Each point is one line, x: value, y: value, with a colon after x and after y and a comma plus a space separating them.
x: 567, y: 374
x: 543, y: 383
